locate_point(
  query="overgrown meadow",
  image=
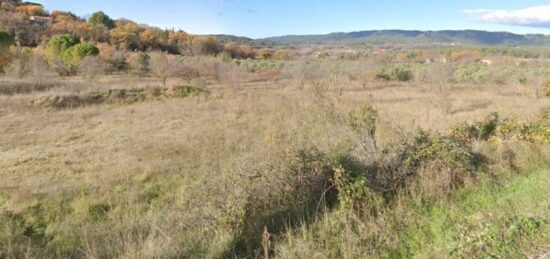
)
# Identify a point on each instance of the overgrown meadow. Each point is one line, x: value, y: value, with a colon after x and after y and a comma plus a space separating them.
x: 302, y: 151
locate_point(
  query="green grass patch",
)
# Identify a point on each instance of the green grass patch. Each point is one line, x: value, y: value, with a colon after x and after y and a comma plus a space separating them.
x: 508, y: 219
x: 488, y: 221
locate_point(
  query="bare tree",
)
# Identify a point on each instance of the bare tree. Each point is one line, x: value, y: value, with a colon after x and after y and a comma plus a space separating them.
x: 90, y: 68
x: 442, y: 76
x: 160, y: 67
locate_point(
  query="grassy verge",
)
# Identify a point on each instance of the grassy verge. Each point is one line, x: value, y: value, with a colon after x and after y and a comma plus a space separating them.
x: 490, y: 220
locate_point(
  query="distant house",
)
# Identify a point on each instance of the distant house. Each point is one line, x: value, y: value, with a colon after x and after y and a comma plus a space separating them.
x: 45, y: 20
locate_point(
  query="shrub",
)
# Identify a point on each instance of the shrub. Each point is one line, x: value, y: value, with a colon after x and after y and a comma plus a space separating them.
x: 547, y: 88
x: 354, y: 191
x: 283, y: 54
x: 363, y: 123
x: 6, y: 39
x: 280, y: 195
x: 480, y: 130
x: 426, y: 147
x: 492, y: 128
x: 471, y: 74
x: 396, y: 73
x: 407, y: 164
x: 140, y: 63
x: 264, y: 54
x: 538, y: 132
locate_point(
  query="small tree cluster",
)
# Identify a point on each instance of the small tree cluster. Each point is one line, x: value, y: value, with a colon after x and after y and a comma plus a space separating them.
x: 67, y: 50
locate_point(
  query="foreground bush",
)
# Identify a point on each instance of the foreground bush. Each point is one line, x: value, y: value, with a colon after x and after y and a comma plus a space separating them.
x: 279, y: 197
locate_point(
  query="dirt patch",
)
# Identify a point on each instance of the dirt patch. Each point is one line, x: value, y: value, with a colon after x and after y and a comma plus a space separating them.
x: 116, y: 96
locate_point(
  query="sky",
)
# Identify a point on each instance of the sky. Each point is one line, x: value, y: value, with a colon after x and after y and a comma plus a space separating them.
x: 264, y: 18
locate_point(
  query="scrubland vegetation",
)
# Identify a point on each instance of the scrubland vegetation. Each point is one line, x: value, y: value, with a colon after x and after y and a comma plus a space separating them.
x: 124, y: 141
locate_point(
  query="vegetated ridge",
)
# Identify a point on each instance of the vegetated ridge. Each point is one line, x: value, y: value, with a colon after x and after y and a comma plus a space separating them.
x: 414, y: 36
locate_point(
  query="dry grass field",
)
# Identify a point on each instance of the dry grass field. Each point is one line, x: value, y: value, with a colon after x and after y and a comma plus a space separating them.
x: 144, y: 171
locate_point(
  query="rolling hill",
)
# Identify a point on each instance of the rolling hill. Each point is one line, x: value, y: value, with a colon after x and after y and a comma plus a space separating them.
x: 419, y: 37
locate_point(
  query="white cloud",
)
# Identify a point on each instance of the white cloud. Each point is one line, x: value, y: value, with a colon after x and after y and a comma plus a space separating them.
x: 537, y: 16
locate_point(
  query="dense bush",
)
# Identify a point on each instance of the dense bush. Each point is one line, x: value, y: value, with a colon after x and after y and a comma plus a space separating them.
x: 396, y: 73
x: 423, y: 161
x: 282, y: 54
x: 471, y: 74
x: 480, y: 130
x: 280, y: 195
x: 426, y: 147
x: 264, y: 53
x: 5, y: 39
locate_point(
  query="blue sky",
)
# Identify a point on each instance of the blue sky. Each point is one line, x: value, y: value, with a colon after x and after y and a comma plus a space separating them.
x: 262, y: 18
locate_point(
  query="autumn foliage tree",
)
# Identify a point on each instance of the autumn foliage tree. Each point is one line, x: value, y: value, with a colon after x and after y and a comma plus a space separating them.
x: 66, y: 23
x: 179, y: 42
x: 31, y: 10
x: 126, y: 35
x: 205, y: 45
x: 236, y: 50
x: 154, y: 38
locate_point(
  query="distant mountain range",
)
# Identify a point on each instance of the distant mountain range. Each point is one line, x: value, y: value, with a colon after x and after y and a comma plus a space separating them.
x: 466, y: 37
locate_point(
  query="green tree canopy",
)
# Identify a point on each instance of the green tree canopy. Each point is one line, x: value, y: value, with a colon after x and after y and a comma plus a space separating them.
x: 74, y: 55
x: 5, y: 39
x: 102, y: 18
x: 58, y: 45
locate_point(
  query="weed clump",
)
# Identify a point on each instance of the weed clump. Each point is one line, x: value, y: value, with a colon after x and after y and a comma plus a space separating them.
x: 426, y: 161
